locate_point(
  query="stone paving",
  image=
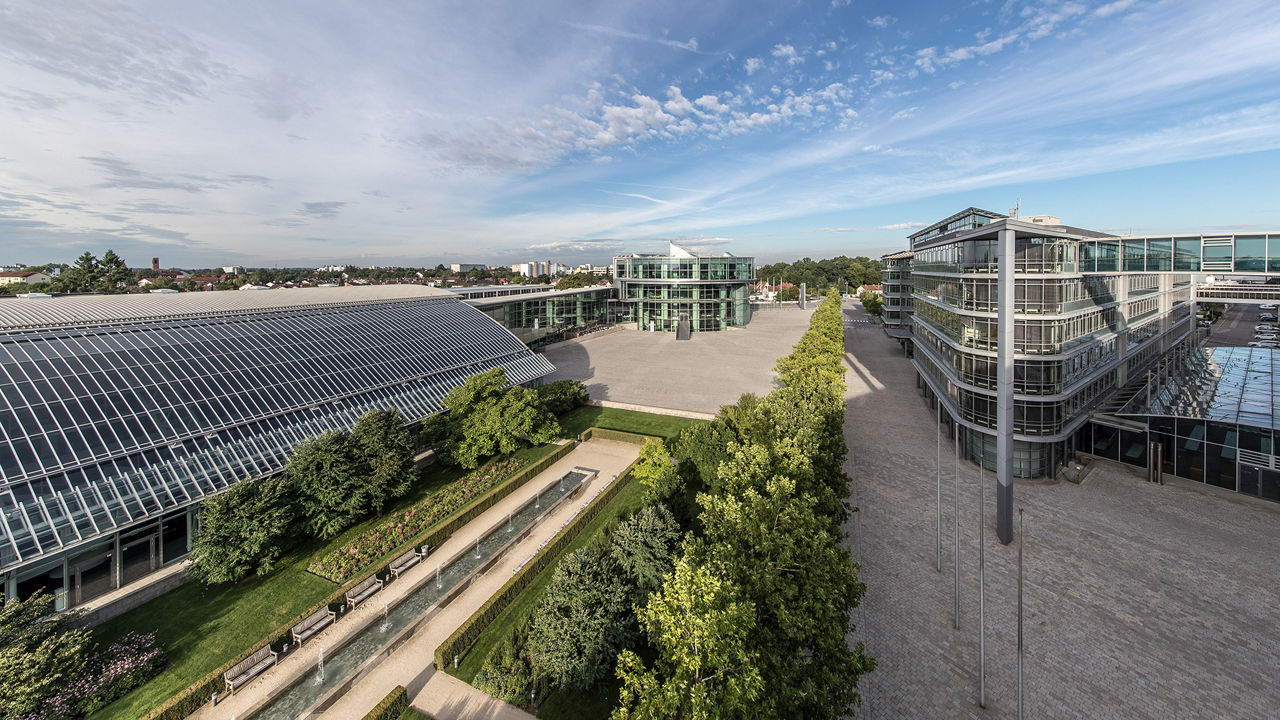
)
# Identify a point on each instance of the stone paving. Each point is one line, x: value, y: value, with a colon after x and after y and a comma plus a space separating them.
x: 1141, y: 600
x: 703, y: 373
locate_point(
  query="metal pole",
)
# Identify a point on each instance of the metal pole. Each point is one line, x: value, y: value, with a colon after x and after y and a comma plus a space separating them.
x: 1022, y: 541
x: 1004, y: 388
x: 982, y: 581
x: 938, y: 400
x: 955, y: 614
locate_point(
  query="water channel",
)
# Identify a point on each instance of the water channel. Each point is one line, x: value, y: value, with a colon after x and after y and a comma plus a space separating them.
x: 336, y: 666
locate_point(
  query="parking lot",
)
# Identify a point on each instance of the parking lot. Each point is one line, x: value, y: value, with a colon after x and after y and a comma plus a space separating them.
x: 1236, y: 326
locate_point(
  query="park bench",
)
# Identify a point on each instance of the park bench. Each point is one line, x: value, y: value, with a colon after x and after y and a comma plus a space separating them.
x: 404, y: 562
x: 314, y: 623
x: 361, y: 592
x: 248, y: 668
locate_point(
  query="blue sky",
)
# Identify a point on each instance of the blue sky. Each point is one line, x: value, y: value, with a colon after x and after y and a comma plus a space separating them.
x: 397, y: 132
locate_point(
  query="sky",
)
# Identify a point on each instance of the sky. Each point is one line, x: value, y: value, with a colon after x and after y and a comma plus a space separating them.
x: 303, y: 133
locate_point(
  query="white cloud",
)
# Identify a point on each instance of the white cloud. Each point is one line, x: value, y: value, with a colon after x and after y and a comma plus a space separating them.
x: 677, y: 103
x: 787, y: 53
x: 752, y: 65
x: 905, y: 113
x: 711, y: 104
x: 1114, y: 7
x: 881, y: 21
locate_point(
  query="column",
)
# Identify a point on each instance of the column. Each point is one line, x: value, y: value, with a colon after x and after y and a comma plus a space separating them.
x: 1004, y: 389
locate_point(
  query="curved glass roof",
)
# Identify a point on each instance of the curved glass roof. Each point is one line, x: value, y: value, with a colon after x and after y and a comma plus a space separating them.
x: 1227, y: 384
x: 103, y: 425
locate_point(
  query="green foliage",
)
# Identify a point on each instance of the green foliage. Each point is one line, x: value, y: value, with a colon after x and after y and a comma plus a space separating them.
x: 578, y: 280
x: 116, y: 277
x: 841, y: 271
x: 84, y: 276
x: 484, y: 419
x: 329, y: 481
x: 507, y: 673
x: 872, y: 302
x: 38, y: 657
x: 391, y: 707
x: 383, y: 448
x: 242, y: 531
x: 705, y: 667
x: 583, y: 621
x: 655, y: 469
x: 561, y: 396
x: 644, y: 545
x: 769, y: 542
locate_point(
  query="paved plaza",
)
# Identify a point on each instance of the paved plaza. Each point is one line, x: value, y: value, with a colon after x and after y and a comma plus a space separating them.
x: 1142, y: 601
x: 701, y: 374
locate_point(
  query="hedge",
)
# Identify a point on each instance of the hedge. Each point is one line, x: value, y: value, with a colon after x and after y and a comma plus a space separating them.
x: 391, y: 707
x: 197, y: 694
x: 463, y: 638
x: 606, y: 434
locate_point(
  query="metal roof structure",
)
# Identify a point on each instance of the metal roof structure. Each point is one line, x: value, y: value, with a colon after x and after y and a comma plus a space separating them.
x: 1227, y: 384
x: 60, y: 310
x: 118, y: 409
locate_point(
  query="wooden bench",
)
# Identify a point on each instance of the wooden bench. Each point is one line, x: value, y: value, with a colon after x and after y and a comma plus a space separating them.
x: 404, y: 562
x: 361, y: 592
x: 248, y: 668
x: 314, y: 623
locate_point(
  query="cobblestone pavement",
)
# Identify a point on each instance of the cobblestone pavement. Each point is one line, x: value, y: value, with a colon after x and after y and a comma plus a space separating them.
x: 1141, y: 601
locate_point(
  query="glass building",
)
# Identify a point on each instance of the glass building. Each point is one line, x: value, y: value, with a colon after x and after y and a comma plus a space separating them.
x: 119, y: 414
x: 1081, y: 329
x: 702, y: 292
x: 550, y: 317
x: 897, y: 294
x: 1210, y: 416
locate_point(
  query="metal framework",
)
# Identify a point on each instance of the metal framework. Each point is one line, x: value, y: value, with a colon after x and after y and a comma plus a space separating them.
x: 103, y: 425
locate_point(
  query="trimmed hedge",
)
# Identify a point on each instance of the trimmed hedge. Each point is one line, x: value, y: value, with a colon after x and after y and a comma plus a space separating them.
x: 197, y: 694
x: 391, y: 707
x: 462, y: 639
x: 606, y: 434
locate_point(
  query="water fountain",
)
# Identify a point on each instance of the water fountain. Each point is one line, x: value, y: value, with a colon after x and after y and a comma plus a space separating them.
x: 508, y: 522
x: 291, y: 702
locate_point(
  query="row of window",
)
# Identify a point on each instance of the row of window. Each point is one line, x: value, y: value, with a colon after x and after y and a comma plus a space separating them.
x: 1031, y: 255
x: 1238, y: 253
x: 673, y: 268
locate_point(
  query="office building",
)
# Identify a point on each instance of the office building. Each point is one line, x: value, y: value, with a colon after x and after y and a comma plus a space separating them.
x: 683, y: 290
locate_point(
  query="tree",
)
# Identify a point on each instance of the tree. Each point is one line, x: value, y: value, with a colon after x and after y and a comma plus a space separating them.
x: 561, y: 396
x: 872, y: 302
x: 329, y: 482
x: 704, y: 668
x: 39, y: 657
x: 243, y: 531
x: 584, y: 619
x: 655, y: 471
x: 382, y: 446
x: 644, y: 546
x: 84, y: 276
x: 507, y: 673
x: 484, y: 419
x: 116, y: 277
x: 577, y: 280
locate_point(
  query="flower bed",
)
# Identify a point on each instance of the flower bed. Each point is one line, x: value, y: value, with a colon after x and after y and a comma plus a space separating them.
x: 398, y: 528
x: 107, y: 676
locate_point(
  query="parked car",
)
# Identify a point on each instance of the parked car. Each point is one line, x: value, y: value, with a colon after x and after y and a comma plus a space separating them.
x: 1271, y: 344
x: 1266, y: 316
x: 1267, y: 307
x: 1266, y: 336
x: 1264, y: 328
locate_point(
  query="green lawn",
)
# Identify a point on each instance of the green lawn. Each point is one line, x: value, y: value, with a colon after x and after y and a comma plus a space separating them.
x: 411, y: 714
x: 200, y: 627
x: 663, y: 426
x: 559, y: 704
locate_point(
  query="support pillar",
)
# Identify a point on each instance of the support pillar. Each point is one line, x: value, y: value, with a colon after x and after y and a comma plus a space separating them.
x: 1004, y: 389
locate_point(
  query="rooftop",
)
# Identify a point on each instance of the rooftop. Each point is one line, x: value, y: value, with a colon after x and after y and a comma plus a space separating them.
x: 1227, y: 384
x: 19, y: 313
x: 679, y: 251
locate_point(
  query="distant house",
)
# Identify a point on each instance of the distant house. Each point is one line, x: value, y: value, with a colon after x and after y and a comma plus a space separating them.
x: 877, y: 289
x: 205, y: 282
x: 25, y: 277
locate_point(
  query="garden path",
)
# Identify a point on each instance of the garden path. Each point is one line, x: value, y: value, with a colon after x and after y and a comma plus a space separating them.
x: 438, y: 693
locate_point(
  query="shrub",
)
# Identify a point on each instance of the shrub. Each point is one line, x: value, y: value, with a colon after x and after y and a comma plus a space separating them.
x: 561, y: 396
x: 242, y: 531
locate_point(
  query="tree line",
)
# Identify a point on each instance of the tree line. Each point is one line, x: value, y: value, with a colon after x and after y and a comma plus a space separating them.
x: 842, y: 272
x: 729, y: 593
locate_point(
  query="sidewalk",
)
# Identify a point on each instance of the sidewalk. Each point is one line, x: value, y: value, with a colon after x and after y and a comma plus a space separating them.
x: 438, y: 693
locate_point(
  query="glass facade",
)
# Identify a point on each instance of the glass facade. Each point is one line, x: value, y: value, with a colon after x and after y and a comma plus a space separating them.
x: 119, y: 427
x: 551, y: 317
x: 708, y: 292
x: 1078, y: 335
x: 897, y: 289
x: 1253, y: 253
